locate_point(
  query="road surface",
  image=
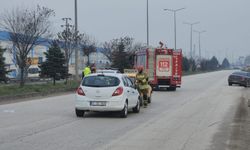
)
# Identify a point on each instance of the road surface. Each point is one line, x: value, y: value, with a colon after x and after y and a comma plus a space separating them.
x: 205, y: 114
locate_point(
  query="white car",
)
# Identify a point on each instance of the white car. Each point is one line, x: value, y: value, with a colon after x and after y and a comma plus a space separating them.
x: 106, y: 92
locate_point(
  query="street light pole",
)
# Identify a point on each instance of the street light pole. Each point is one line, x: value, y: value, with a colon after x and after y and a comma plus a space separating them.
x: 199, y: 32
x: 76, y: 49
x: 191, y: 36
x: 174, y: 11
x: 147, y: 27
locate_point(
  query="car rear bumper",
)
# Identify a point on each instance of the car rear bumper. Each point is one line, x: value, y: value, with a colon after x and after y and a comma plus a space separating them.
x: 237, y: 82
x: 114, y: 105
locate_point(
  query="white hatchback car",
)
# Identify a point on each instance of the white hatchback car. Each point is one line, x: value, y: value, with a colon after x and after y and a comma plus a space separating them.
x: 106, y: 92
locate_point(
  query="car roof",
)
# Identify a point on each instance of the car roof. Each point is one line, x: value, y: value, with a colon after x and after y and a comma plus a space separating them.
x: 107, y: 74
x: 107, y: 71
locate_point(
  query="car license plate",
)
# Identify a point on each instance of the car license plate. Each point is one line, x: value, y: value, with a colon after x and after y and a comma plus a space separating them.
x: 97, y: 103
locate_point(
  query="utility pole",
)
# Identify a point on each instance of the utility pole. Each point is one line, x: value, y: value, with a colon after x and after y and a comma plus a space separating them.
x: 174, y: 11
x: 67, y: 25
x: 76, y: 41
x: 194, y: 50
x: 191, y: 36
x: 199, y: 32
x: 66, y: 34
x: 147, y: 27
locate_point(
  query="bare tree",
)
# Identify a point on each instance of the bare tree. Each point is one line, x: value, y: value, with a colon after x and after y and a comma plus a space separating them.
x: 26, y: 28
x: 129, y: 47
x: 88, y: 45
x: 247, y: 61
x: 109, y: 47
x: 68, y: 38
x: 107, y: 50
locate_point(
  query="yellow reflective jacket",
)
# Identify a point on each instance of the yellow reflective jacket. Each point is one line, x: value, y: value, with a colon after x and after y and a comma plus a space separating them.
x: 86, y: 71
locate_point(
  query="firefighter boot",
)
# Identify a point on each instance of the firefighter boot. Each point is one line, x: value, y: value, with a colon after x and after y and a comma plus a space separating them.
x: 145, y: 101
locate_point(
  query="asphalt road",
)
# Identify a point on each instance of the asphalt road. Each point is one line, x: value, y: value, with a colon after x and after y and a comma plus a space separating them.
x: 202, y: 115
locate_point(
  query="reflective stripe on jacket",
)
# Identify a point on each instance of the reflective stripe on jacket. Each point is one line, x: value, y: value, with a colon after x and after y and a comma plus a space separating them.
x: 142, y: 80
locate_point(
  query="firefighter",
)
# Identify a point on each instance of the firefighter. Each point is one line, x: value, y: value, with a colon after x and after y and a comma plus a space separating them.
x: 142, y: 85
x: 93, y: 68
x: 86, y: 71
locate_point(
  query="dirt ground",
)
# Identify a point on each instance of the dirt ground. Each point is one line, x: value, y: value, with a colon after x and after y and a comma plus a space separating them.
x: 234, y: 132
x: 240, y: 135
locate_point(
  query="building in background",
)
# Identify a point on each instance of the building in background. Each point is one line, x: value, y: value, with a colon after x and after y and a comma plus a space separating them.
x: 37, y: 56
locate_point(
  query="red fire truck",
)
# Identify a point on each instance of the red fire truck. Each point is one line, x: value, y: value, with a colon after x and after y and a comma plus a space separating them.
x: 163, y: 66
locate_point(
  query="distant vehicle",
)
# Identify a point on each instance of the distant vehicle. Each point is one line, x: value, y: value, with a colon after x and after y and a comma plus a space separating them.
x: 241, y: 78
x: 106, y: 92
x: 163, y: 65
x: 33, y: 72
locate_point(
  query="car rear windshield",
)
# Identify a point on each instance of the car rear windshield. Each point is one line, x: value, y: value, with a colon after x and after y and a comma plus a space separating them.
x: 100, y: 81
x: 33, y: 70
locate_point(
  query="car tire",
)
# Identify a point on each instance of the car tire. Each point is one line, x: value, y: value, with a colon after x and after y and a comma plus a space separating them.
x: 136, y: 109
x: 79, y: 113
x: 124, y: 112
x: 141, y: 100
x: 230, y: 84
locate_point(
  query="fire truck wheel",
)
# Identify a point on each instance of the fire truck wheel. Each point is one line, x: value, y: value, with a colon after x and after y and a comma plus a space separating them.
x: 171, y: 89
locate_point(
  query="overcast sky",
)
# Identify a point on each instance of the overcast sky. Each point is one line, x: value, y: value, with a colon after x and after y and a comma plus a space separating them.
x: 227, y: 22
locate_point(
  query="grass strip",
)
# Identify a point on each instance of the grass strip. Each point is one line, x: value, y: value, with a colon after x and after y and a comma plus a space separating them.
x: 14, y: 90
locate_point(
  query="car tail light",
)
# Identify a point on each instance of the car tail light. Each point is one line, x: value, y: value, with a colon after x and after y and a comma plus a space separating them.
x: 79, y: 91
x: 118, y: 91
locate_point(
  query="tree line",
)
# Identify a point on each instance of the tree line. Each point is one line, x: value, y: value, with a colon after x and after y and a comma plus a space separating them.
x: 212, y: 64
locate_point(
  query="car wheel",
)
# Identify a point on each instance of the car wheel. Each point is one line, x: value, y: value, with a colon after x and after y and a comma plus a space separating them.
x: 141, y: 100
x: 124, y: 112
x: 136, y: 109
x: 229, y: 83
x: 79, y: 113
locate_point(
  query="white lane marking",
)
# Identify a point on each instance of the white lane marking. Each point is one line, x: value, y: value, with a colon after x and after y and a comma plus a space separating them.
x: 9, y: 111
